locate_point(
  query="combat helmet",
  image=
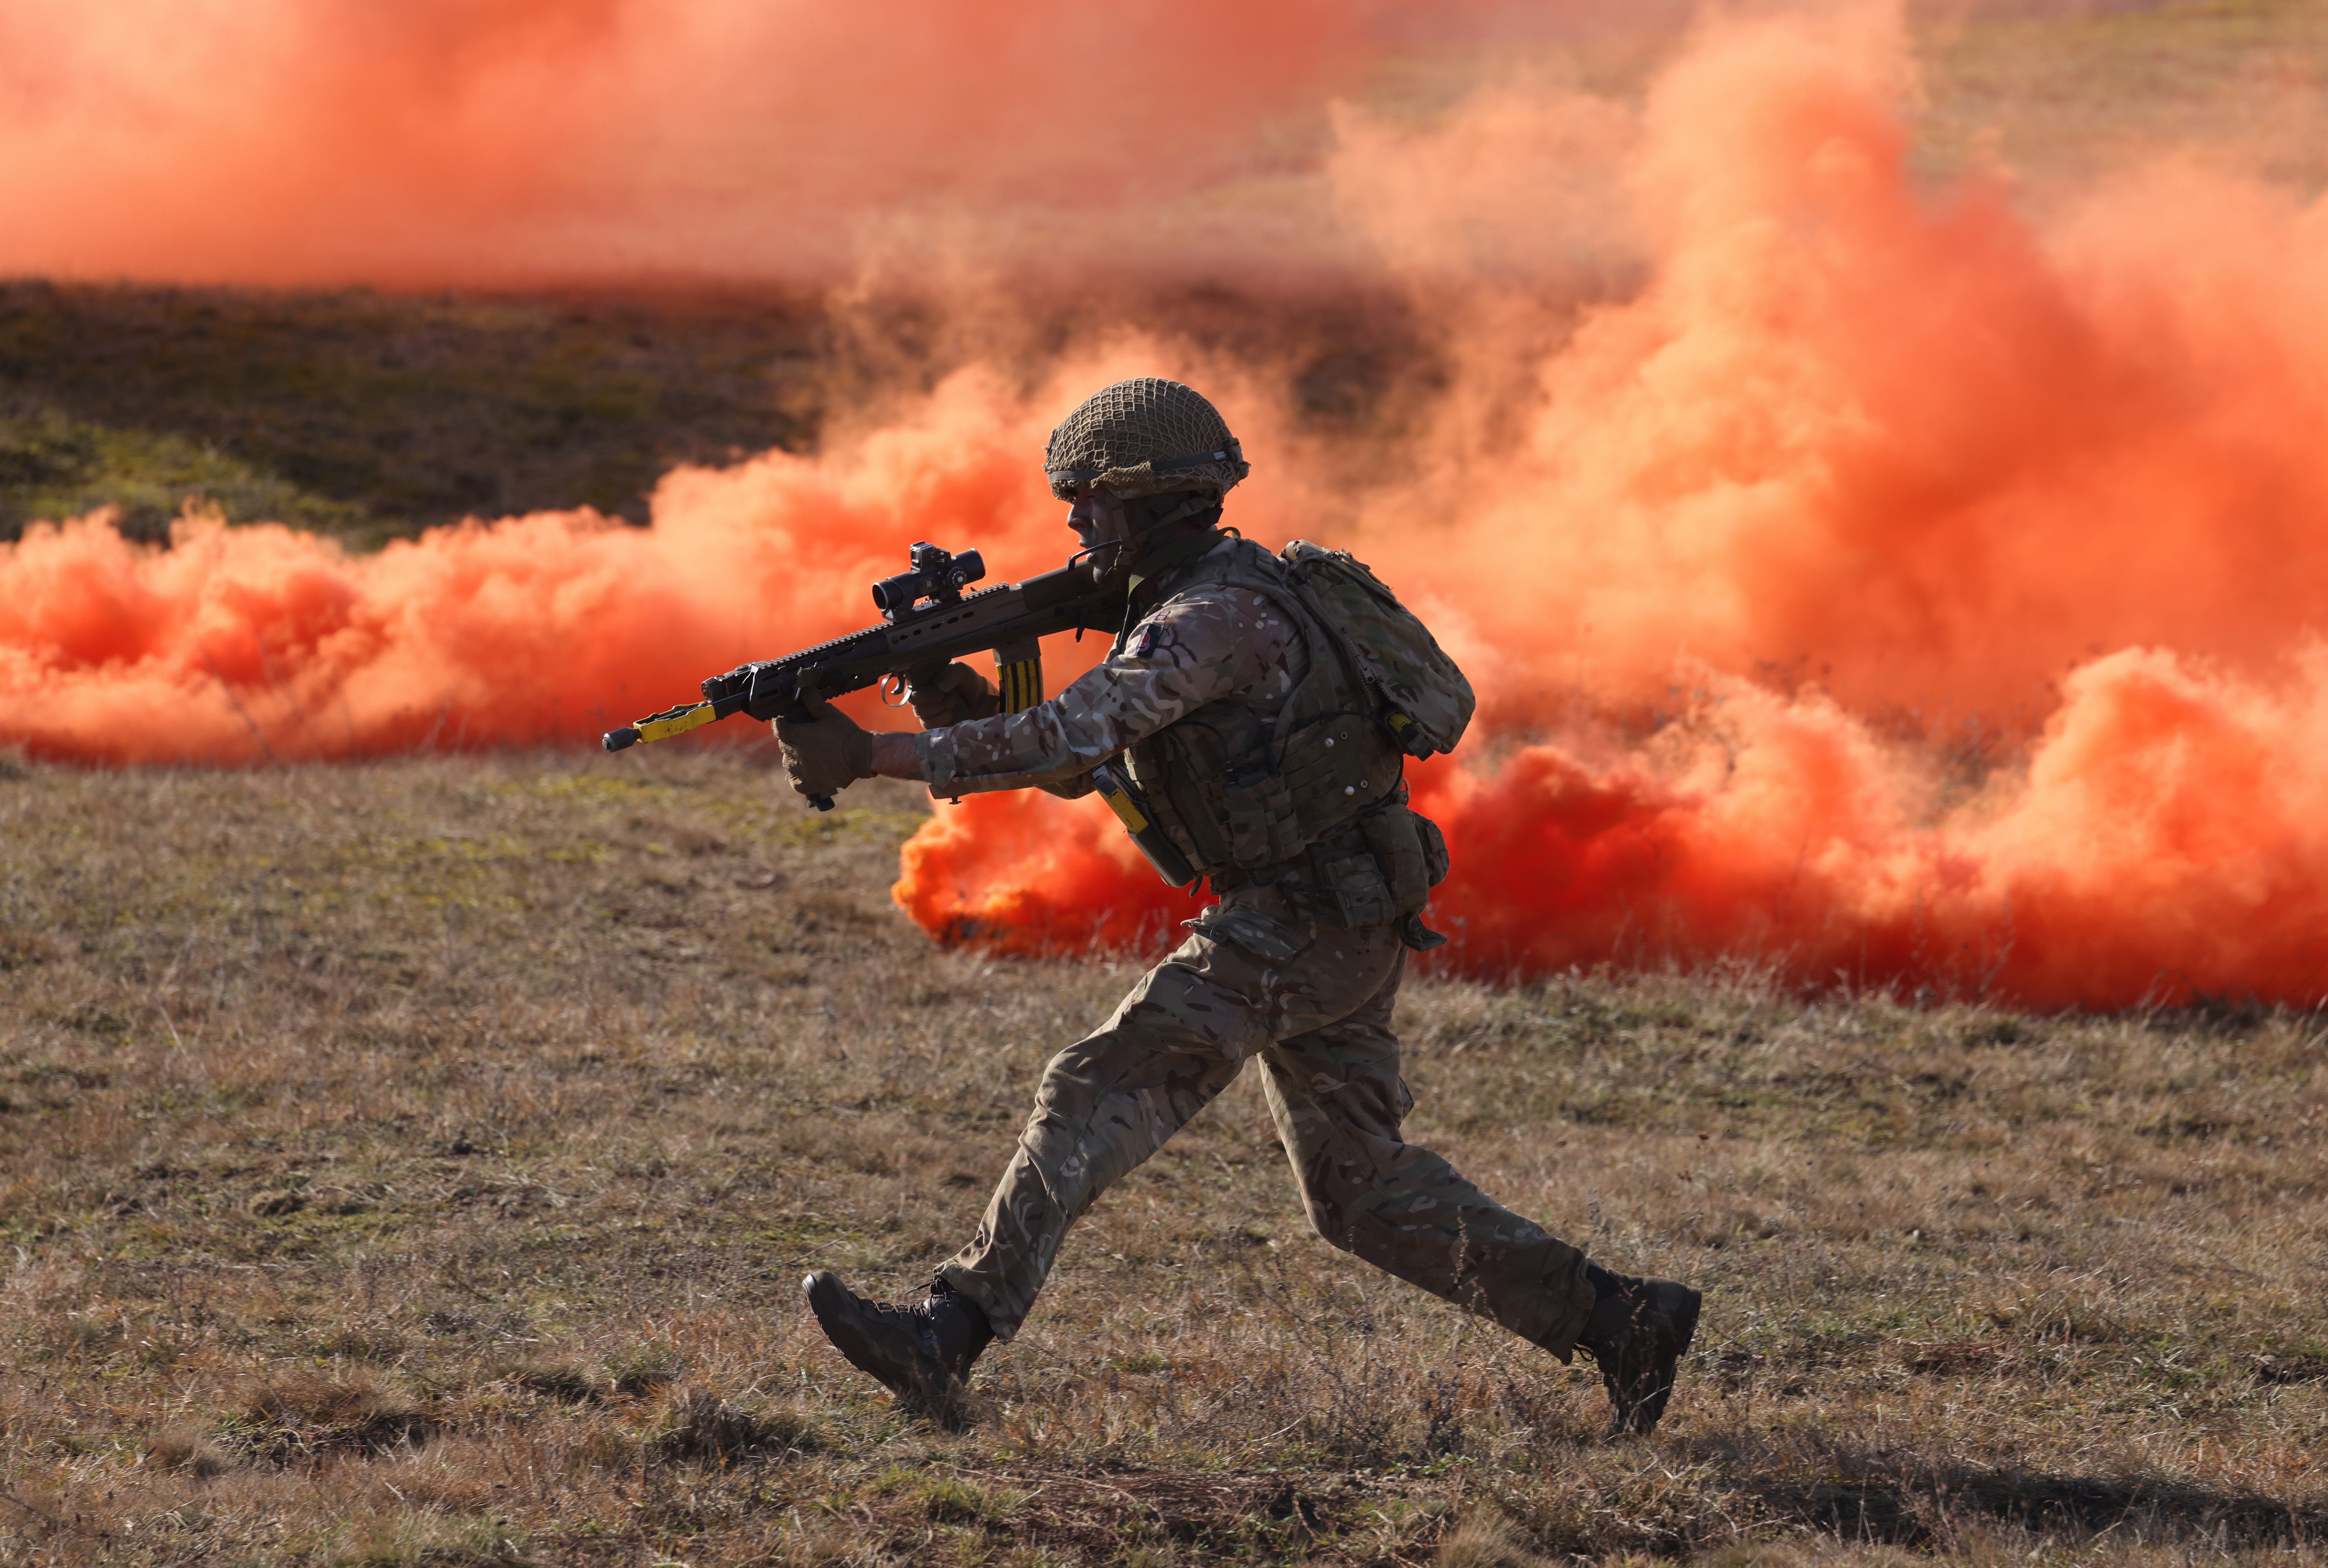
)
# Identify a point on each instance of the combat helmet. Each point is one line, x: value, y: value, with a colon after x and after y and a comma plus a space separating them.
x: 1143, y: 437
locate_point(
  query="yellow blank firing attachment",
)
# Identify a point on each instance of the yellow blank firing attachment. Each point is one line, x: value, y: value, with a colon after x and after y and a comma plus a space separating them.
x: 662, y: 727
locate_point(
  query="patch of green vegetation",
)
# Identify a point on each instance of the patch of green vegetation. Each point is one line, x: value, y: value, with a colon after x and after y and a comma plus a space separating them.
x: 53, y: 467
x: 590, y: 788
x: 815, y: 830
x: 373, y: 416
x: 431, y: 1540
x: 643, y: 1369
x: 949, y: 1499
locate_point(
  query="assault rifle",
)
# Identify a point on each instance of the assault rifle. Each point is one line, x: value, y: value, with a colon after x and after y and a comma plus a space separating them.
x: 927, y: 622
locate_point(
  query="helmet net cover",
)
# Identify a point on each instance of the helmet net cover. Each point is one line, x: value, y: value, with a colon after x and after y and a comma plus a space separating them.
x: 1144, y: 437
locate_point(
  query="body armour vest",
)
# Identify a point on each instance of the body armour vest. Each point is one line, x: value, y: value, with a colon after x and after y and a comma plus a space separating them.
x: 1250, y: 782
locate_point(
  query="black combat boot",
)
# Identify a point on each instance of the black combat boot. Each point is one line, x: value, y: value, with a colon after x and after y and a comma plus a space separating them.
x: 1639, y: 1332
x: 921, y: 1351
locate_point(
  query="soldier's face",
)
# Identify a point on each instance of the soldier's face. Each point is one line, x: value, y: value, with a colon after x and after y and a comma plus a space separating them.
x: 1098, y: 518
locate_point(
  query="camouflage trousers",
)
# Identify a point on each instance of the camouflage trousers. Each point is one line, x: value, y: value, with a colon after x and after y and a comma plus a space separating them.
x: 1264, y: 976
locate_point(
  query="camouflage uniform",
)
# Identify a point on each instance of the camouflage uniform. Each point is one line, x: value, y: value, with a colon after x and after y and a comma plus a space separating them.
x: 1193, y: 649
x: 1268, y: 972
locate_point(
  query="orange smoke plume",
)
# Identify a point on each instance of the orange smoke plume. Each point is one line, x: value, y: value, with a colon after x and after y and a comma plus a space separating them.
x: 460, y: 141
x: 1917, y: 462
x: 2167, y: 840
x: 1744, y: 566
x: 246, y: 644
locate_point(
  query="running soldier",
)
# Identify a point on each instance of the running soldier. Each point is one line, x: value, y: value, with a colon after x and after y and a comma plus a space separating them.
x: 1233, y: 716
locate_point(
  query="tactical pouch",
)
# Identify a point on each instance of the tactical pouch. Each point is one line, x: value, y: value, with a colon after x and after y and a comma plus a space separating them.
x: 1396, y: 839
x: 1413, y: 854
x: 1434, y: 849
x: 1336, y: 766
x: 1262, y: 829
x: 1356, y: 884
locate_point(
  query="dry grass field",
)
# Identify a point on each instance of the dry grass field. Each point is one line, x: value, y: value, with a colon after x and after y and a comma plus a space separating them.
x: 414, y: 1163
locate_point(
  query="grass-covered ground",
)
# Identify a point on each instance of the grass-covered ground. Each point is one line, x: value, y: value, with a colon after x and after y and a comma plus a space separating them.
x: 415, y: 1162
x: 2066, y: 94
x: 372, y: 416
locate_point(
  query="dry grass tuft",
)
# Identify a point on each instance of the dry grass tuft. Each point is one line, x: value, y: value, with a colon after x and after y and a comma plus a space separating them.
x: 705, y: 1428
x: 299, y: 1413
x: 1487, y: 1540
x: 564, y: 1382
x: 186, y: 1447
x: 641, y: 1370
x: 433, y: 1541
x: 575, y: 1066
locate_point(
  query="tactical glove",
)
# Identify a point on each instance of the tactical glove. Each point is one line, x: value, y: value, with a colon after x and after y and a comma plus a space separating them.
x: 956, y: 697
x: 824, y: 753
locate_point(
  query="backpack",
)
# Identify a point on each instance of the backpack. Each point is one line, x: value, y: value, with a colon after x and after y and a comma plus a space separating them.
x: 1424, y: 699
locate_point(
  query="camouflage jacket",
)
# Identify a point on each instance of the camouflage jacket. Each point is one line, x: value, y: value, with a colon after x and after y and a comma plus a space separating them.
x: 1198, y: 645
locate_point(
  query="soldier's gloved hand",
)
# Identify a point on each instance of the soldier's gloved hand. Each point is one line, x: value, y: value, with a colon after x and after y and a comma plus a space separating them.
x: 955, y: 697
x: 824, y: 753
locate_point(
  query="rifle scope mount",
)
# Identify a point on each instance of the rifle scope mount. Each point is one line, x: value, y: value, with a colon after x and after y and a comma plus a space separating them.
x: 936, y: 574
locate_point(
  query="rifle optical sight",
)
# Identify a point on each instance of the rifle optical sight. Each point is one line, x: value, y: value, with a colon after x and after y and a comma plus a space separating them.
x: 936, y: 574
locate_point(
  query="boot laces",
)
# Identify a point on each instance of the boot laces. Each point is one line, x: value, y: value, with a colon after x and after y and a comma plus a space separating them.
x: 923, y: 1310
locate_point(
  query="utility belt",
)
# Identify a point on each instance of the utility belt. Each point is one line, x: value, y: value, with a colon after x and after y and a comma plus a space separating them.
x: 1317, y: 867
x: 1377, y: 870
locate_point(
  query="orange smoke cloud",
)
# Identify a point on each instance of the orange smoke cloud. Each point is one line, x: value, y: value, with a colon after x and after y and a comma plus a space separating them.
x: 1902, y: 447
x: 261, y: 642
x: 2167, y: 840
x: 1851, y: 462
x: 1909, y: 452
x: 279, y: 141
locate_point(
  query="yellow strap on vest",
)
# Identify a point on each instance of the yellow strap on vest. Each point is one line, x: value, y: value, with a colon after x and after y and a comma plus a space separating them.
x: 1120, y: 802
